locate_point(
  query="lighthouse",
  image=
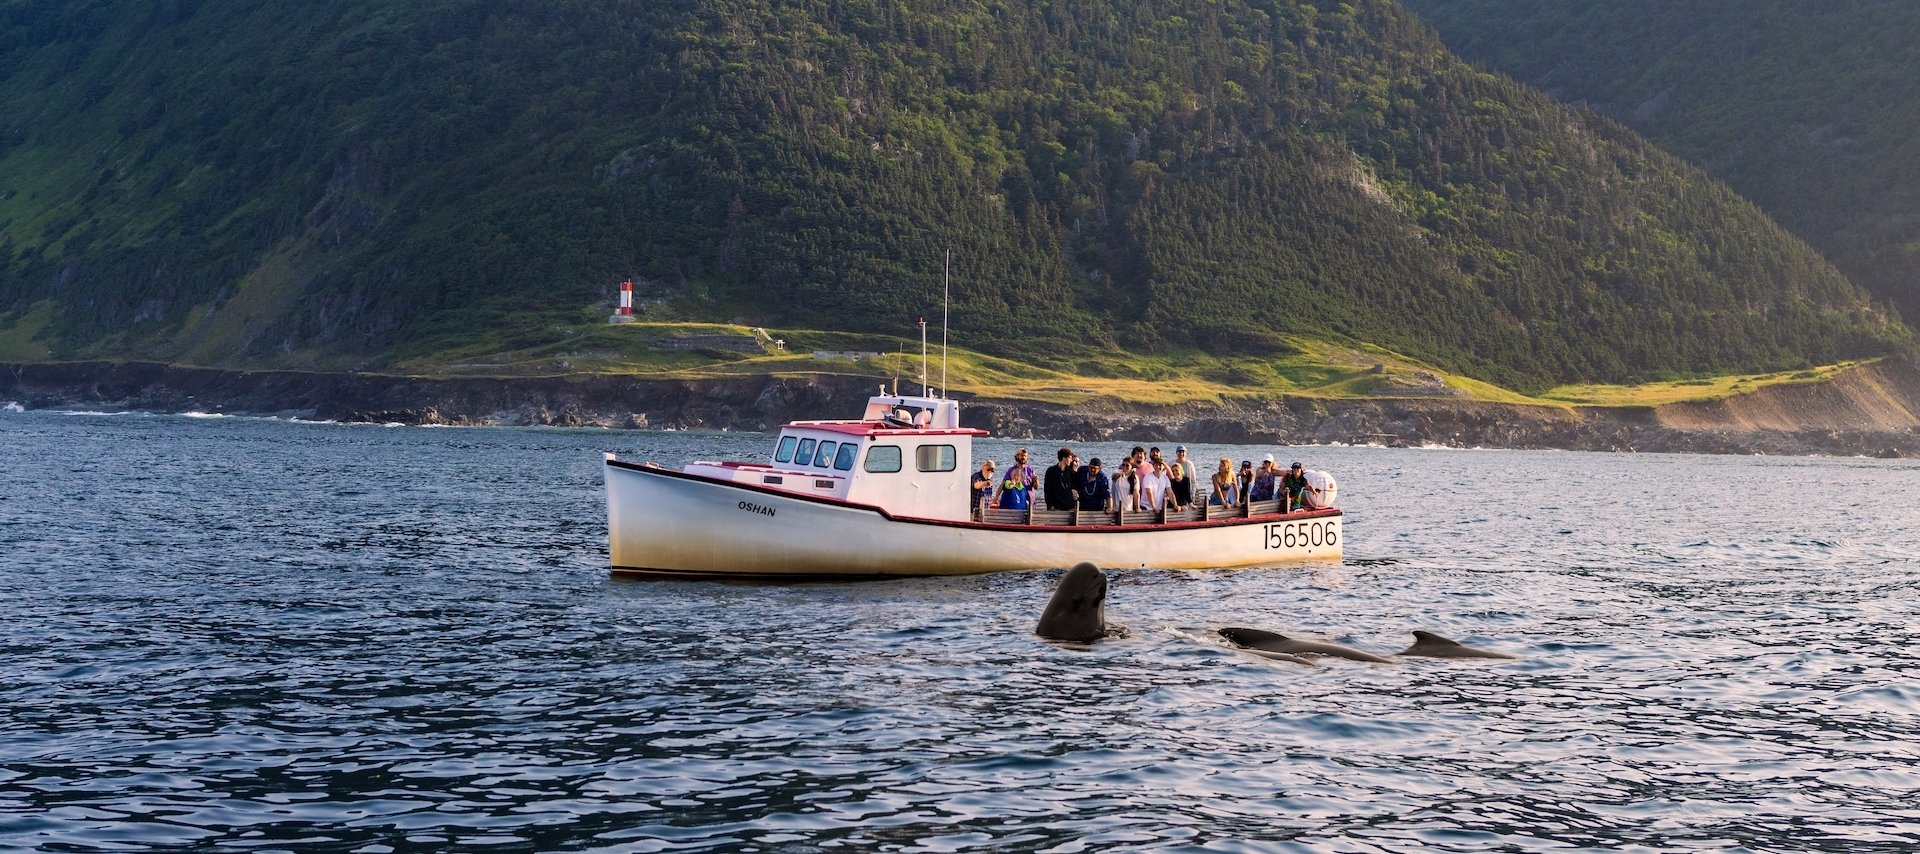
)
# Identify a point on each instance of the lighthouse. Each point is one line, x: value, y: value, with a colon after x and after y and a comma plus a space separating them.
x: 624, y: 314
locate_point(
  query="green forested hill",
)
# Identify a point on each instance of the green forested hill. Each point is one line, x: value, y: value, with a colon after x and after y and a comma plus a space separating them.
x: 1811, y: 109
x: 346, y: 182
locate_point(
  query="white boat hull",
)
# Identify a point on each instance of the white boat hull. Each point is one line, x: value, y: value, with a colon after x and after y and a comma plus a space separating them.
x: 663, y: 522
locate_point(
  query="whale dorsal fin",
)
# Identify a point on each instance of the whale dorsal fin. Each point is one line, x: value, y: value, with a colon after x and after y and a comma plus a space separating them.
x: 1429, y: 638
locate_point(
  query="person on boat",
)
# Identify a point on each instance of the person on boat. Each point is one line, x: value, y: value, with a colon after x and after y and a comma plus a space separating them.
x: 1075, y: 474
x: 1246, y: 479
x: 1126, y: 487
x: 1293, y: 483
x: 1266, y: 481
x: 1058, y: 488
x: 1096, y: 492
x: 1024, y: 474
x: 1185, y: 465
x: 1143, y: 475
x: 1016, y: 492
x: 1156, y: 489
x: 1180, y: 486
x: 1138, y: 458
x: 983, y: 485
x: 1226, y: 487
x: 1024, y: 471
x: 1143, y: 466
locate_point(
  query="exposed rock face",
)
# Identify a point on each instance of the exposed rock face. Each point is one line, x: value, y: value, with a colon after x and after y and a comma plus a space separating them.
x: 1884, y: 397
x: 1873, y: 411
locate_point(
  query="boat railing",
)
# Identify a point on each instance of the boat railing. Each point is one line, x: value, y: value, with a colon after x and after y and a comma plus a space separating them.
x: 1200, y: 511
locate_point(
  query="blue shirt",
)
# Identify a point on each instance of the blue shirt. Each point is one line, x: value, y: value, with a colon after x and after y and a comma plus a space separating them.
x: 1094, y: 490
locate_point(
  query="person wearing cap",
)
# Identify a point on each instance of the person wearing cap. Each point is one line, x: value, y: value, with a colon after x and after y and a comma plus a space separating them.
x: 1293, y: 483
x: 1246, y: 479
x: 1265, y: 481
x: 1096, y: 492
x: 983, y: 485
x: 1226, y: 487
x: 1186, y: 465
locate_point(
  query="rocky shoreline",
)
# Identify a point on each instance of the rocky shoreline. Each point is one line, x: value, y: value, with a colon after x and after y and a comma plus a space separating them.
x: 1867, y: 412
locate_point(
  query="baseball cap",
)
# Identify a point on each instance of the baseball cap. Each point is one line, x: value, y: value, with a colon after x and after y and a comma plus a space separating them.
x: 1296, y: 463
x: 1094, y: 462
x: 1269, y: 458
x: 1179, y: 449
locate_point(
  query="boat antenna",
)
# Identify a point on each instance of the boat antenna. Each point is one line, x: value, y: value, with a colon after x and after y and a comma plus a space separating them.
x: 924, y: 390
x: 946, y: 295
x: 899, y: 356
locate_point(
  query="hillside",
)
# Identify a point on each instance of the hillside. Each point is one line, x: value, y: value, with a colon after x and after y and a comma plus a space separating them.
x: 1812, y: 110
x: 349, y: 183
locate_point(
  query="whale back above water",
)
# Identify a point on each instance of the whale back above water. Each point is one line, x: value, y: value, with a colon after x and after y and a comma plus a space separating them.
x: 1078, y: 610
x: 1265, y: 641
x: 1430, y: 645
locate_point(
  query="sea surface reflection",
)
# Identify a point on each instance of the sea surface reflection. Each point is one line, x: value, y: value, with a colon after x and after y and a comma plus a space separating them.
x: 269, y: 635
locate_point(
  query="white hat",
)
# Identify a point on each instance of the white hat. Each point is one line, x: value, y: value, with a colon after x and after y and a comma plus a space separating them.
x: 1269, y: 458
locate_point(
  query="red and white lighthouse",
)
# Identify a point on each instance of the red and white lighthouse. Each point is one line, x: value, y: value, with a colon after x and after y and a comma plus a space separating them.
x: 624, y: 314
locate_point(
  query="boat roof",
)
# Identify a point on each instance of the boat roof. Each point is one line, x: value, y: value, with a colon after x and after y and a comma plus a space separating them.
x: 876, y: 428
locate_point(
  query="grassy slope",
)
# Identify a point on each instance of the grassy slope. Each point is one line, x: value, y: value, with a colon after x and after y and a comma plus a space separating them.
x: 1316, y: 368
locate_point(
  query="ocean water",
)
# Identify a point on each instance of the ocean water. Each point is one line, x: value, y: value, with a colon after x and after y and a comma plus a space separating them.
x: 245, y: 634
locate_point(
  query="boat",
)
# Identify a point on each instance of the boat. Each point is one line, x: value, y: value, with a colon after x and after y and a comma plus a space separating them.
x: 888, y: 494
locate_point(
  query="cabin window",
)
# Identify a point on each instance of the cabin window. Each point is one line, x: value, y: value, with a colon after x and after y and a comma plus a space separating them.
x: 804, y: 456
x: 844, y: 461
x: 825, y: 457
x: 935, y: 458
x: 883, y: 458
x: 785, y: 453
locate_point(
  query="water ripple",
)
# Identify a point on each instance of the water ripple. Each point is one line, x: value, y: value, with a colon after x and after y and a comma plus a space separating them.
x: 239, y: 633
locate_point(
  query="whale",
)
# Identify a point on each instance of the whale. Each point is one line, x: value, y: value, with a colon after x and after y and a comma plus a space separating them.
x: 1078, y: 610
x: 1264, y: 641
x: 1279, y: 656
x: 1430, y: 645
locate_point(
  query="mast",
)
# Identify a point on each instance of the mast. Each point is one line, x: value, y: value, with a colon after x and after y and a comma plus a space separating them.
x: 946, y: 294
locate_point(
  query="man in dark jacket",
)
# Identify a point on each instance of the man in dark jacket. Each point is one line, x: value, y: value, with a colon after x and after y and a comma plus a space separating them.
x: 1096, y: 492
x: 1060, y: 484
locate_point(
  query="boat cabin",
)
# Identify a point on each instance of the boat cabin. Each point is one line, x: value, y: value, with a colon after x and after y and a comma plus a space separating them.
x: 907, y: 455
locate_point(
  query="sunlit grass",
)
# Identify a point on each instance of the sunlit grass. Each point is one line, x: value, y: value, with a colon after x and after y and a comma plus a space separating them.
x: 1681, y: 391
x: 553, y: 346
